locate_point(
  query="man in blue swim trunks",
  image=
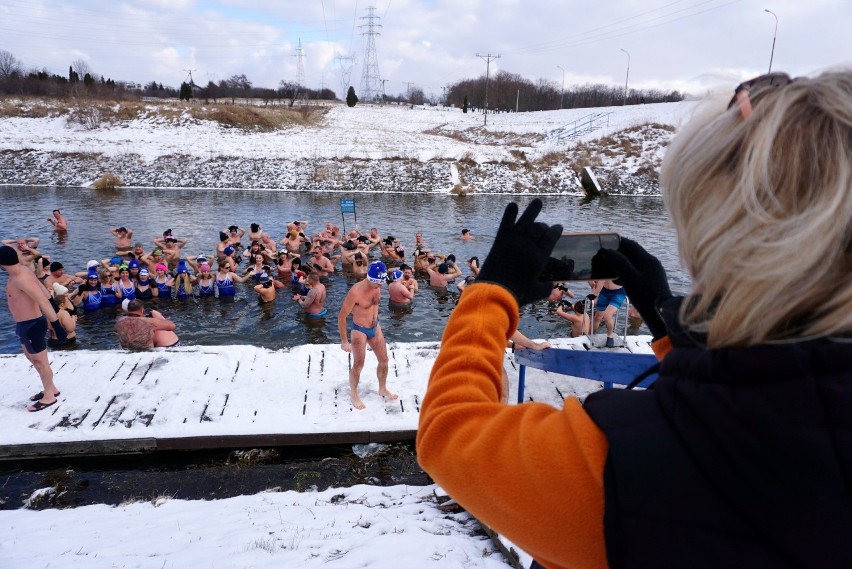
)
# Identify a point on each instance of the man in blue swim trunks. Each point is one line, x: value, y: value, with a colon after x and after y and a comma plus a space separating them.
x: 29, y: 305
x: 362, y: 301
x: 313, y: 303
x: 610, y: 296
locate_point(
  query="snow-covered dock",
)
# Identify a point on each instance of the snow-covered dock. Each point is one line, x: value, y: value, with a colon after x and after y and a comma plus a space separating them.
x: 232, y: 396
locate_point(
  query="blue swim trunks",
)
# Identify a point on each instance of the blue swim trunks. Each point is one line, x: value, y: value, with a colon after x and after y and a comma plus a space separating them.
x: 369, y: 332
x: 609, y: 297
x: 320, y: 314
x: 33, y: 334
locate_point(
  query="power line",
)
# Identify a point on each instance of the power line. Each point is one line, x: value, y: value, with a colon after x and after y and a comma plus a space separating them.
x: 488, y: 59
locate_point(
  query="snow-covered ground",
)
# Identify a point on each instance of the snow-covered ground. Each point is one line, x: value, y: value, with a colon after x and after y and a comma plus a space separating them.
x: 360, y: 526
x: 372, y: 148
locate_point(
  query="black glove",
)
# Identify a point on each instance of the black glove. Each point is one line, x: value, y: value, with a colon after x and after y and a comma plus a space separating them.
x: 519, y: 253
x: 61, y: 334
x: 591, y: 296
x: 644, y: 280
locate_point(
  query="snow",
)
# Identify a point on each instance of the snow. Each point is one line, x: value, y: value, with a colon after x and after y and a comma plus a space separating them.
x: 366, y: 148
x: 360, y: 526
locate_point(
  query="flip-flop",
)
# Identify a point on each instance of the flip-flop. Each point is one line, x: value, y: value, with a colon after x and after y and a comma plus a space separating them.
x: 38, y: 406
x: 40, y: 394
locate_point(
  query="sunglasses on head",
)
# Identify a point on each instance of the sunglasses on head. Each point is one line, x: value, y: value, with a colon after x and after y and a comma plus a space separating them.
x: 742, y: 92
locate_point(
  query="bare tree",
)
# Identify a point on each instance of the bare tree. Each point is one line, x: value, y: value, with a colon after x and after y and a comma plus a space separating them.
x: 9, y: 65
x: 81, y: 67
x: 238, y: 83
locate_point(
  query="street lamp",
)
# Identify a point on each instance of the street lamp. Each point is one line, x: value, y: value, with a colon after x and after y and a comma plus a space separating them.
x: 626, y: 77
x: 562, y: 93
x: 773, y: 38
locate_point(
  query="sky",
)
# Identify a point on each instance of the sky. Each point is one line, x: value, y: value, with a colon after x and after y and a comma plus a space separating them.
x: 688, y: 45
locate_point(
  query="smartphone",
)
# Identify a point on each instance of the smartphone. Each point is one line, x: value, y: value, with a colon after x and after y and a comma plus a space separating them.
x: 571, y: 259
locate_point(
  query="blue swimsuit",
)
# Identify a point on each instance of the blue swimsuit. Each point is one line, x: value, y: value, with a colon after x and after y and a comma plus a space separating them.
x: 108, y: 296
x: 165, y: 290
x: 128, y: 293
x: 369, y: 332
x: 92, y: 300
x: 206, y: 290
x: 226, y: 286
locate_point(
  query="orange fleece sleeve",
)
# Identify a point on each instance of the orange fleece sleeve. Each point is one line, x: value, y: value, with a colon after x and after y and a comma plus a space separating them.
x: 532, y: 472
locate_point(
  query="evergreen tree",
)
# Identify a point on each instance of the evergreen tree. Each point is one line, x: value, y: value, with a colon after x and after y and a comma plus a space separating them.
x: 351, y: 98
x: 464, y: 107
x: 185, y: 91
x: 88, y: 80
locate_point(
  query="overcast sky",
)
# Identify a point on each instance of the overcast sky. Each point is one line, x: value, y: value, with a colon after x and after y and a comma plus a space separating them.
x: 688, y: 45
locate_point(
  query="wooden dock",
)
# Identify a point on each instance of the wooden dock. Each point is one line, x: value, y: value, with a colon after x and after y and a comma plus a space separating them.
x: 199, y: 397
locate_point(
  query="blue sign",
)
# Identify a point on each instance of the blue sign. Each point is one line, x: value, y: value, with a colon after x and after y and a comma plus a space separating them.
x: 347, y: 206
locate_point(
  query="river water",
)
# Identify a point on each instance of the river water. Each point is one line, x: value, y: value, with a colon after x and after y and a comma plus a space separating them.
x: 198, y: 215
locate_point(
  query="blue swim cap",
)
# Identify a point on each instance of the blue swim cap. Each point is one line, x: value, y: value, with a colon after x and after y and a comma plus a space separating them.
x: 377, y: 273
x: 133, y: 264
x: 115, y: 261
x: 395, y: 275
x: 181, y: 266
x: 228, y: 250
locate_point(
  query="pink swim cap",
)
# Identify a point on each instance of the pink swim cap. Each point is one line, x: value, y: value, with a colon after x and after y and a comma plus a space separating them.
x: 161, y: 267
x: 204, y: 268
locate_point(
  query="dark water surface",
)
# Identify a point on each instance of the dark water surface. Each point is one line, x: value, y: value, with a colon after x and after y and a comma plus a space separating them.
x: 202, y: 475
x: 198, y: 215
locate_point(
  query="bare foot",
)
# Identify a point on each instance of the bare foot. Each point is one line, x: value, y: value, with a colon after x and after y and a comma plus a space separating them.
x: 389, y: 394
x: 357, y: 403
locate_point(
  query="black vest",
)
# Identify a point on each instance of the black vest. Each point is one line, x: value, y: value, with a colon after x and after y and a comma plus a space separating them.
x: 735, y: 458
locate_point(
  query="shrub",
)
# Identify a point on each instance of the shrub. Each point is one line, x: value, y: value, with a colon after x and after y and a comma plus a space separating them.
x: 108, y: 181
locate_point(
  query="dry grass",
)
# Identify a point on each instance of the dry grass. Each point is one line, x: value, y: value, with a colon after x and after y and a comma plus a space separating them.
x: 108, y: 181
x: 93, y: 113
x: 259, y: 118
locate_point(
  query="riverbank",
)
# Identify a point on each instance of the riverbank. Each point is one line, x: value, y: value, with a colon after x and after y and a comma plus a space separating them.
x: 366, y: 148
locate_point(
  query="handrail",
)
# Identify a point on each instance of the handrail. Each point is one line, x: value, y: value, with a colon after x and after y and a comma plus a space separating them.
x: 608, y: 367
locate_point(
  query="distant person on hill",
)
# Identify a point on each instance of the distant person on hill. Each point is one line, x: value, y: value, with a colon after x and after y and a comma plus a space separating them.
x: 139, y: 332
x: 362, y: 301
x: 58, y: 221
x: 29, y: 304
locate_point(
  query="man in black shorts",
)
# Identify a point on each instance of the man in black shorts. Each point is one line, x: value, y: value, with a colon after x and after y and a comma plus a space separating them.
x: 29, y: 304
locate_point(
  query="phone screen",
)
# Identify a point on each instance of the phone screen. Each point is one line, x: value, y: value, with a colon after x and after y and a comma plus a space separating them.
x: 571, y: 259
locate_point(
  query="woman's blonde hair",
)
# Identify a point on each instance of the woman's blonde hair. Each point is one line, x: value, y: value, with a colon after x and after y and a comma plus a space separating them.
x: 763, y: 206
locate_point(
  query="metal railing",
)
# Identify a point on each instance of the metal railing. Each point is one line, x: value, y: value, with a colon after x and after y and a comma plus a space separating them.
x: 583, y: 125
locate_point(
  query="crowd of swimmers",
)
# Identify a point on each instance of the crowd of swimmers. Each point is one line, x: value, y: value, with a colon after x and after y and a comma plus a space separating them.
x: 297, y: 264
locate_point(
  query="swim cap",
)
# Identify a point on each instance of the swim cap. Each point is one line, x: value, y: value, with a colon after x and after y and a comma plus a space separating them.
x: 395, y: 275
x: 91, y: 264
x: 143, y: 272
x: 223, y: 236
x: 93, y: 274
x: 167, y: 233
x: 124, y: 304
x: 377, y: 273
x: 133, y: 264
x: 59, y: 290
x: 156, y: 252
x: 294, y: 234
x: 228, y: 250
x: 123, y: 268
x: 443, y: 268
x: 55, y: 266
x: 204, y: 267
x: 115, y: 261
x: 233, y: 227
x: 161, y: 267
x: 201, y: 259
